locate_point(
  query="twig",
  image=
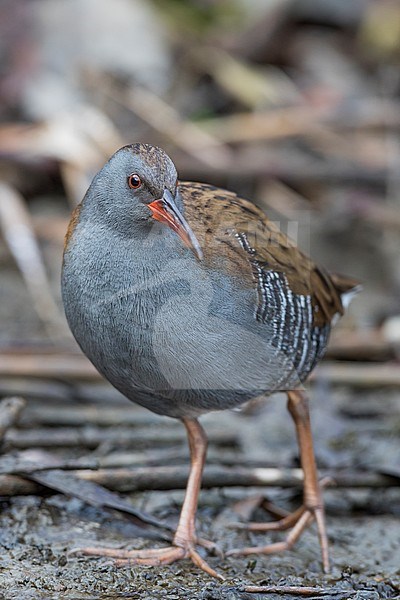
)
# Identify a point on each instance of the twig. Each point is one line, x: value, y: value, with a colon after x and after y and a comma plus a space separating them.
x: 77, y: 367
x: 289, y: 165
x: 17, y: 465
x: 368, y: 375
x: 13, y: 485
x: 167, y: 478
x: 91, y: 437
x: 122, y: 415
x: 35, y: 388
x: 65, y: 366
x: 175, y: 478
x: 384, y: 217
x: 10, y: 409
x: 359, y: 345
x: 294, y: 590
x: 271, y: 124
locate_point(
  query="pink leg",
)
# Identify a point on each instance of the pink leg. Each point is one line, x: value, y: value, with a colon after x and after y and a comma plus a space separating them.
x: 183, y: 545
x: 313, y: 507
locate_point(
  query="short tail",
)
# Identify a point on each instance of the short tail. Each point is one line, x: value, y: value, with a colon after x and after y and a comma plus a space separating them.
x: 347, y: 287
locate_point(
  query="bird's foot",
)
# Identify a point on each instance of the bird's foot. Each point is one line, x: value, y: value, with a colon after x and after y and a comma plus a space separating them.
x: 155, y: 557
x: 297, y: 522
x: 305, y: 518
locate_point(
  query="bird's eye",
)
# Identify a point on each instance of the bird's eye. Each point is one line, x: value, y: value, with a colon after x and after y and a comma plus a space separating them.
x: 134, y: 181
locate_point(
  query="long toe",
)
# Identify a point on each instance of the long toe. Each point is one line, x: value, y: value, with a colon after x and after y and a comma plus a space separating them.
x: 305, y: 519
x: 151, y: 557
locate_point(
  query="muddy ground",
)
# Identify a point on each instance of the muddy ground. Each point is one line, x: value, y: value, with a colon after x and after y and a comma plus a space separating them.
x: 353, y: 430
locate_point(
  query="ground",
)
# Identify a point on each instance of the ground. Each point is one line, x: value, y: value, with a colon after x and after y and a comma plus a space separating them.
x: 39, y: 534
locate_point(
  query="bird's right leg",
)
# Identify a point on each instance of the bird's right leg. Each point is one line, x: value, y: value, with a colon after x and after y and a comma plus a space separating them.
x: 185, y: 540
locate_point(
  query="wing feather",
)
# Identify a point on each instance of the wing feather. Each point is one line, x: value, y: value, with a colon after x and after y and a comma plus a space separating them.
x: 217, y: 215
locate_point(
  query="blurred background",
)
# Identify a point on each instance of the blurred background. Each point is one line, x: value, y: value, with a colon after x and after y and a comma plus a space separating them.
x: 294, y: 104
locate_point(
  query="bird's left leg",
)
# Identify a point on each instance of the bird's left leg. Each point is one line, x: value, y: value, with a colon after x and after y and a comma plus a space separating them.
x: 312, y: 508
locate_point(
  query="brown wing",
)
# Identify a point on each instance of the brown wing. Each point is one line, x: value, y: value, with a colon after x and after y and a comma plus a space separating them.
x: 249, y: 239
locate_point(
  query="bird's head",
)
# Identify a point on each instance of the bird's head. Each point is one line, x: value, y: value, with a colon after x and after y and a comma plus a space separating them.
x: 137, y: 186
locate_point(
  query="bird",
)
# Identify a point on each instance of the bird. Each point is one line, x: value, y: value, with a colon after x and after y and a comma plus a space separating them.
x: 188, y: 299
